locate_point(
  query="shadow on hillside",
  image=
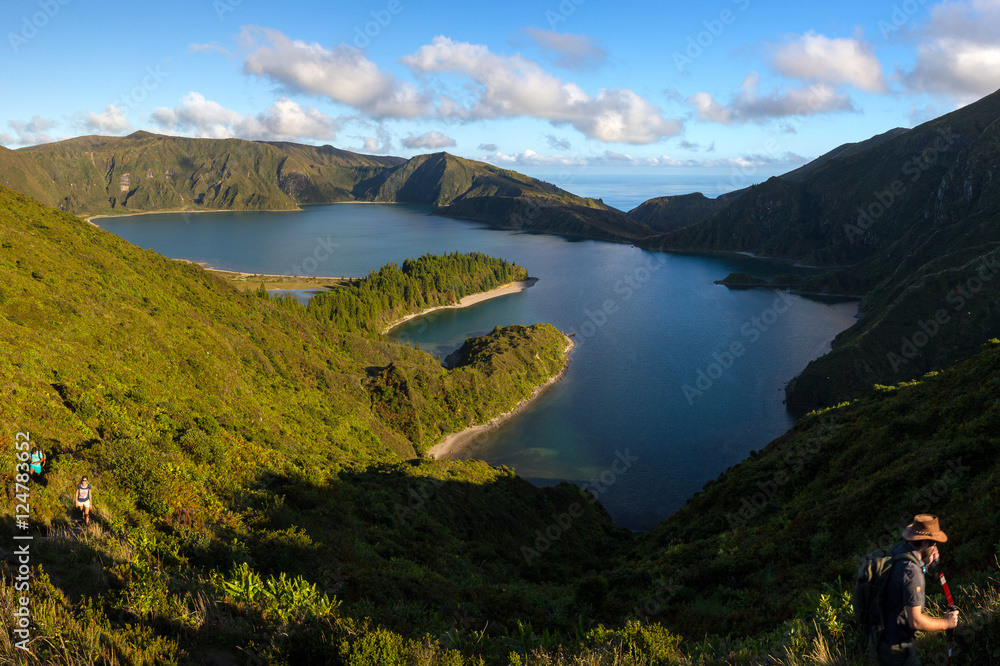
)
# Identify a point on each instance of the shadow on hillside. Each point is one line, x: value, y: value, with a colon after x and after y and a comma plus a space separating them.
x: 418, y: 547
x: 428, y: 514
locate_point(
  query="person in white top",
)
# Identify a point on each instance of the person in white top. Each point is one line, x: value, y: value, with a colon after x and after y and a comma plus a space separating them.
x: 84, y: 494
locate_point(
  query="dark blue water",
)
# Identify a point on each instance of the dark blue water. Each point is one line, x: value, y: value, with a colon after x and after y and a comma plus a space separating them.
x: 673, y: 378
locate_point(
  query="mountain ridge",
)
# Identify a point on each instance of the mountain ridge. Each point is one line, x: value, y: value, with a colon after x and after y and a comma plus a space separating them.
x: 144, y: 172
x: 893, y: 218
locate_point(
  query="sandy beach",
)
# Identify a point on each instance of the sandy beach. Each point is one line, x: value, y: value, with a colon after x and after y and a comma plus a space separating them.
x: 457, y: 441
x: 471, y: 299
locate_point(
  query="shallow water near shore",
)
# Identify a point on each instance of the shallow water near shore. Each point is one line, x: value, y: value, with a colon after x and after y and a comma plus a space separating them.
x: 673, y: 378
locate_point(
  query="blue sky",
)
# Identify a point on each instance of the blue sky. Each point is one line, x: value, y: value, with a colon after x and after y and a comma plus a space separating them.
x: 728, y: 86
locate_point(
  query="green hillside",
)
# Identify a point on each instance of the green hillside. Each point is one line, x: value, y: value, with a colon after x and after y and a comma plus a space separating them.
x: 540, y: 214
x: 845, y: 150
x: 664, y: 214
x: 224, y: 430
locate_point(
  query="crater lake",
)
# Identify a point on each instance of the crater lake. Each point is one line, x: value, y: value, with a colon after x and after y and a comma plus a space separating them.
x: 673, y: 378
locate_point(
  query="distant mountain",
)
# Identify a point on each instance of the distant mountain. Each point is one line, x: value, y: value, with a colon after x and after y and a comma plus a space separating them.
x: 144, y: 172
x: 543, y: 214
x: 664, y: 214
x: 845, y: 210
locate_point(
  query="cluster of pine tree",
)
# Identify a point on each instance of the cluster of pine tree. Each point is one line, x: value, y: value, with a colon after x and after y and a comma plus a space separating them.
x: 371, y: 303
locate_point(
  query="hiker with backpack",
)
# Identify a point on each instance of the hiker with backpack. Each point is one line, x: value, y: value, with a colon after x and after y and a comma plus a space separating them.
x: 890, y: 592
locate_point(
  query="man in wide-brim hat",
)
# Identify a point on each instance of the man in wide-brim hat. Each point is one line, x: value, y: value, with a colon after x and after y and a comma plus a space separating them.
x: 904, y: 598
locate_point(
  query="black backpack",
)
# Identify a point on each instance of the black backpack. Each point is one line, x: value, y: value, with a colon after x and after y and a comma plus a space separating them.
x: 870, y: 585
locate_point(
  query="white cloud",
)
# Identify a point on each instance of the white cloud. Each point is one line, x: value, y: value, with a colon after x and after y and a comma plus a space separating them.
x: 958, y: 53
x: 31, y: 132
x: 489, y: 147
x: 343, y: 75
x: 429, y: 140
x: 571, y: 51
x: 200, y: 117
x: 111, y: 120
x: 285, y: 120
x: 750, y: 106
x: 6, y: 139
x: 380, y: 144
x: 512, y: 86
x: 530, y: 158
x: 818, y: 58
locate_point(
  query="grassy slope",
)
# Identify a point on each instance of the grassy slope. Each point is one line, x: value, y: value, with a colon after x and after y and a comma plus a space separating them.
x: 844, y: 150
x: 664, y: 214
x: 219, y: 427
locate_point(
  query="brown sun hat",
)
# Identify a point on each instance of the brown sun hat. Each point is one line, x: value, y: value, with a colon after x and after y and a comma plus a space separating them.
x: 924, y: 526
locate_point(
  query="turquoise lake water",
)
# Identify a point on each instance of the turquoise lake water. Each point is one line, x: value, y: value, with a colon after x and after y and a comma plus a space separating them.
x: 673, y: 377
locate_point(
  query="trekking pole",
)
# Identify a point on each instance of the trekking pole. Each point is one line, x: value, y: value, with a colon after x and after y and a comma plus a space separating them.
x: 951, y: 607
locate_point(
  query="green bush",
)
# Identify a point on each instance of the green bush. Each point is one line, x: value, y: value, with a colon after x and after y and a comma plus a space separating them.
x: 378, y: 648
x: 139, y: 470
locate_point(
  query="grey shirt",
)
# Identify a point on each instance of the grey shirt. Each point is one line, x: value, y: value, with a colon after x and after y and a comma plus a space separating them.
x: 906, y: 589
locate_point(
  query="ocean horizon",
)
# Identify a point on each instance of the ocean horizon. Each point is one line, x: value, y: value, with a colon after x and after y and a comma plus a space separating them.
x: 627, y: 189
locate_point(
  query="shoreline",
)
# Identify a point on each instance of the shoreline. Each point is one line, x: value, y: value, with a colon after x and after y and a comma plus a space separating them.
x: 263, y: 275
x: 466, y: 301
x: 456, y: 441
x: 90, y: 219
x: 307, y: 283
x: 176, y: 211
